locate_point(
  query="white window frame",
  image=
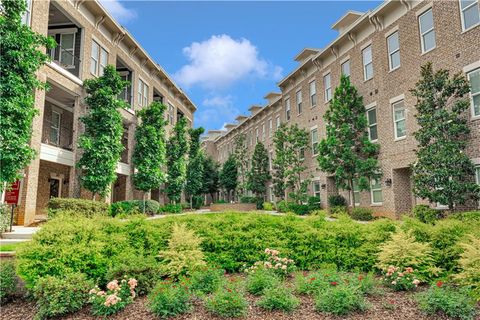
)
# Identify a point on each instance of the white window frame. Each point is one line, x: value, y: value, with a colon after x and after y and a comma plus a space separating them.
x: 372, y: 108
x: 462, y: 14
x: 142, y: 92
x: 99, y: 66
x: 263, y: 132
x: 55, y: 126
x: 278, y: 122
x: 270, y: 160
x: 314, y: 149
x: 377, y: 189
x: 27, y: 15
x: 171, y: 113
x: 270, y: 127
x: 356, y: 190
x: 423, y: 33
x: 317, y: 194
x: 299, y: 100
x: 69, y: 50
x: 400, y: 104
x: 367, y: 63
x: 287, y: 109
x: 473, y: 95
x: 313, y: 93
x: 392, y: 52
x: 256, y: 135
x: 327, y: 84
x: 345, y: 63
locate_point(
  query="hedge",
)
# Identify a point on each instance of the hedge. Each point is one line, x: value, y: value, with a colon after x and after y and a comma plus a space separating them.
x: 87, y: 208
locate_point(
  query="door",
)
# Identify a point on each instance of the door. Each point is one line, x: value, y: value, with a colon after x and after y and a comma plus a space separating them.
x: 54, y: 188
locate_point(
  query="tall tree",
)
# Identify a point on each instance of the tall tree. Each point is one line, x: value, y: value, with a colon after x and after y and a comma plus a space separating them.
x: 177, y: 161
x: 259, y: 173
x: 229, y: 175
x: 443, y: 173
x: 20, y: 58
x: 347, y: 152
x: 210, y: 177
x: 291, y: 142
x: 240, y: 153
x: 194, y: 186
x: 149, y: 153
x: 102, y: 140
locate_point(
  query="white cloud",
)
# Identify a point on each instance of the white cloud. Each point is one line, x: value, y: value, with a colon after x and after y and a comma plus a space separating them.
x: 118, y: 11
x: 216, y: 109
x: 220, y: 61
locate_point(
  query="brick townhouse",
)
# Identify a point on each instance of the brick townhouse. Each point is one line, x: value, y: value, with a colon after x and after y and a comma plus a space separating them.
x: 88, y: 39
x: 381, y: 51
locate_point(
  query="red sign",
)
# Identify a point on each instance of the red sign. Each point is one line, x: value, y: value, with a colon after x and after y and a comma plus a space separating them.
x: 12, y: 194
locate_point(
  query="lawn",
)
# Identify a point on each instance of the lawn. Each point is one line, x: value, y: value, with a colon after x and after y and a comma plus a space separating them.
x: 8, y: 247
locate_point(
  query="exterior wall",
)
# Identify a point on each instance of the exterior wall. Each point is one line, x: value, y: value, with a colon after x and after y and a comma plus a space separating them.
x: 455, y: 50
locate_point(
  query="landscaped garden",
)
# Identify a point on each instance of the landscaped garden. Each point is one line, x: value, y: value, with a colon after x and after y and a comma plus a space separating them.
x: 251, y: 265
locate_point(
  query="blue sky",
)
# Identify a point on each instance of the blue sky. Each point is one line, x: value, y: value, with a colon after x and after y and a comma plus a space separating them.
x: 228, y: 55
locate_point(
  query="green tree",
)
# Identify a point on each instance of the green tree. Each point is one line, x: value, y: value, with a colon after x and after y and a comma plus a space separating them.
x: 177, y: 161
x: 229, y: 175
x: 194, y: 187
x: 347, y: 152
x: 210, y: 177
x: 290, y: 142
x: 102, y: 140
x: 20, y: 57
x: 443, y: 173
x: 259, y: 173
x: 149, y: 153
x: 240, y: 153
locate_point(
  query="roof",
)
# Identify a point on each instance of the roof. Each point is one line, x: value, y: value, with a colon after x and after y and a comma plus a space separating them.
x: 346, y: 20
x: 305, y: 53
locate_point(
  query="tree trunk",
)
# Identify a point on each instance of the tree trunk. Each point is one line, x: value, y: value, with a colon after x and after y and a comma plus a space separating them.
x: 144, y: 196
x: 352, y: 193
x: 191, y: 202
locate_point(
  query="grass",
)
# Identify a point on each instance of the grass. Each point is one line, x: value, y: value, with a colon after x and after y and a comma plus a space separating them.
x: 8, y: 247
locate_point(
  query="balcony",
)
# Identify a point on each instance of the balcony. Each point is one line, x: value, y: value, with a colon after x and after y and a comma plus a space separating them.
x: 57, y: 127
x: 66, y: 59
x: 126, y: 74
x: 124, y: 155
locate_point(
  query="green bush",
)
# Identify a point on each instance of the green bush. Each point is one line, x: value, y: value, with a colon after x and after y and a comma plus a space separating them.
x: 283, y: 206
x: 337, y: 201
x: 426, y: 214
x: 300, y: 209
x: 82, y: 207
x: 260, y: 279
x: 4, y: 218
x: 268, y: 206
x: 134, y: 206
x: 248, y: 199
x: 8, y: 280
x: 339, y: 300
x: 171, y: 208
x: 466, y: 216
x: 278, y: 298
x: 206, y: 280
x: 362, y: 214
x: 452, y: 302
x: 169, y: 299
x: 469, y: 264
x: 114, y: 299
x: 57, y: 296
x: 228, y: 301
x: 314, y: 203
x: 221, y: 201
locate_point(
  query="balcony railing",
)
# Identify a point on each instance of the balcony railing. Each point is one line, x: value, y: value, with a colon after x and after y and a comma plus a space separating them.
x: 64, y: 58
x: 61, y: 136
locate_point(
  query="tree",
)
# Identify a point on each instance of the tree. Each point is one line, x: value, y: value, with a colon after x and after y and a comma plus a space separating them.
x: 291, y: 142
x: 259, y: 173
x: 347, y: 152
x: 443, y: 173
x: 194, y: 187
x: 20, y: 58
x: 102, y: 140
x: 229, y: 175
x: 210, y: 177
x: 149, y: 153
x: 240, y: 153
x: 177, y: 161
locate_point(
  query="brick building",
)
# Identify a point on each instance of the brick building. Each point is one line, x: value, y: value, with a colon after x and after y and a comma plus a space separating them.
x: 88, y: 39
x: 382, y: 51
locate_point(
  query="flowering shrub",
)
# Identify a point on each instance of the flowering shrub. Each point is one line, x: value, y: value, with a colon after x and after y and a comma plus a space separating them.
x: 321, y: 280
x: 228, y: 301
x: 169, y: 299
x: 260, y: 278
x: 400, y: 279
x: 206, y: 280
x: 273, y: 261
x: 454, y: 303
x: 278, y: 298
x: 117, y: 297
x: 339, y: 299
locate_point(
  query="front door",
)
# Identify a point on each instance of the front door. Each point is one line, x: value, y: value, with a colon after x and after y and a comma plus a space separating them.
x: 54, y: 188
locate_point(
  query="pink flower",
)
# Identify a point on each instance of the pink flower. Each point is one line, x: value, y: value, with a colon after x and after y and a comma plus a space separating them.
x: 439, y: 284
x: 132, y: 283
x: 400, y: 274
x: 101, y: 293
x: 111, y: 300
x: 416, y: 282
x: 284, y: 267
x: 333, y: 283
x: 113, y: 285
x: 394, y: 282
x: 408, y: 269
x: 93, y: 291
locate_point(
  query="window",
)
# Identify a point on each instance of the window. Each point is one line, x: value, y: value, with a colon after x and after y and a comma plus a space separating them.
x: 327, y: 83
x: 427, y: 32
x: 270, y: 127
x: 367, y: 63
x: 346, y: 68
x: 287, y: 109
x: 372, y: 124
x: 270, y: 160
x: 356, y: 192
x: 278, y: 122
x: 142, y: 93
x: 314, y: 134
x: 313, y: 94
x: 256, y: 135
x: 28, y: 12
x: 263, y: 131
x: 316, y: 189
x: 99, y: 59
x: 171, y: 114
x: 399, y: 119
x: 302, y: 154
x: 474, y: 78
x: 470, y: 13
x: 55, y: 128
x: 67, y: 50
x: 251, y: 137
x: 393, y: 51
x: 299, y: 101
x: 376, y: 191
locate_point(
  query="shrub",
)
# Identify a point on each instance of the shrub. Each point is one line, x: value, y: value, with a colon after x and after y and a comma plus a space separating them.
x: 183, y: 255
x: 323, y: 279
x: 339, y: 300
x: 206, y: 280
x: 337, y: 211
x: 169, y: 299
x: 268, y: 206
x: 278, y: 298
x: 473, y: 216
x: 57, y: 296
x: 8, y: 280
x: 314, y: 203
x: 228, y: 301
x: 469, y: 263
x: 259, y: 279
x: 337, y: 201
x: 4, y: 218
x: 221, y: 201
x: 362, y: 214
x: 300, y: 209
x: 248, y: 199
x: 283, y: 206
x: 273, y: 262
x: 134, y: 206
x: 145, y: 270
x: 151, y: 206
x: 115, y: 298
x: 400, y: 279
x: 454, y: 303
x: 171, y: 208
x: 425, y: 214
x: 87, y: 208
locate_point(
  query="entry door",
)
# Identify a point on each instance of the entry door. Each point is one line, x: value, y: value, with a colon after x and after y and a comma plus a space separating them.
x: 54, y: 188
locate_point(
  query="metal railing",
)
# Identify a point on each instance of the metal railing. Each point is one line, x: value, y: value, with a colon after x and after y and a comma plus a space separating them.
x: 65, y: 59
x: 61, y: 136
